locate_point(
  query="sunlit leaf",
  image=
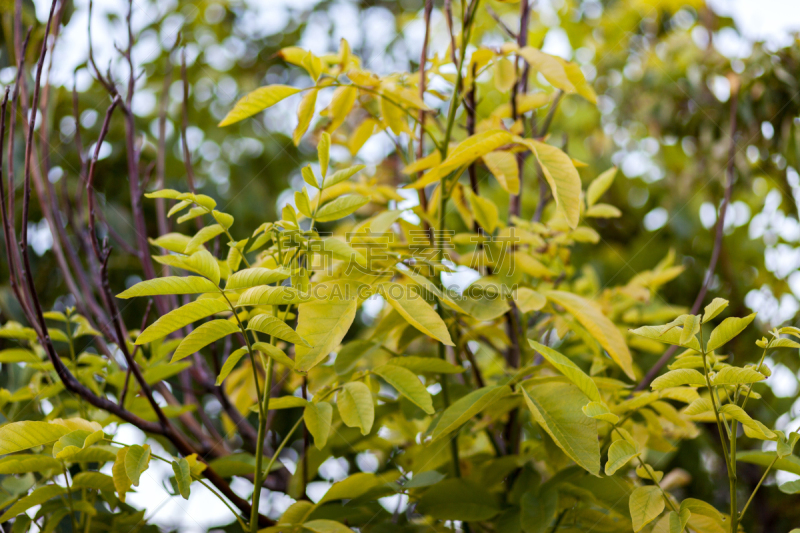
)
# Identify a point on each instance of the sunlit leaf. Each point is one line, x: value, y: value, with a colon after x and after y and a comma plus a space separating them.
x: 204, y: 335
x: 257, y: 101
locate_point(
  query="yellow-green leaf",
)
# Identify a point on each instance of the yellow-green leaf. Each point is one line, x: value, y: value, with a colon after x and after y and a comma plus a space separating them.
x: 619, y: 453
x: 136, y: 462
x: 180, y: 317
x: 733, y: 375
x: 275, y: 353
x: 356, y: 406
x: 203, y: 236
x: 599, y: 411
x: 119, y: 474
x: 322, y: 525
x: 270, y: 325
x: 557, y: 408
x: 713, y: 309
x: 412, y: 306
x: 569, y: 369
x: 484, y: 210
x: 257, y: 101
x: 324, y: 154
x: 666, y: 335
x: 169, y: 285
x: 645, y: 503
x: 600, y: 185
x: 323, y: 324
x: 93, y: 480
x: 752, y: 428
x: 425, y: 365
x: 269, y: 295
x: 342, y: 102
x: 465, y: 408
x: 318, y: 417
x: 598, y: 325
x: 305, y: 112
x: 22, y: 464
x: 562, y: 176
x: 18, y: 436
x: 75, y: 441
x: 503, y: 166
x: 343, y: 175
x: 201, y: 337
x: 256, y: 276
x: 37, y: 497
x: 341, y: 207
x: 230, y: 363
x: 183, y: 476
x: 407, y: 384
x: 474, y: 147
x: 528, y: 300
x: 676, y: 378
x: 728, y: 329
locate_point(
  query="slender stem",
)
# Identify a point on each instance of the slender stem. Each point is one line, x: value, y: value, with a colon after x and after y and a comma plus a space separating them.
x: 281, y: 447
x: 69, y: 499
x: 262, y: 433
x: 760, y: 481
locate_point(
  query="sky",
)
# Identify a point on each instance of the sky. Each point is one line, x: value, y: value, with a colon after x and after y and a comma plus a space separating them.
x: 768, y: 20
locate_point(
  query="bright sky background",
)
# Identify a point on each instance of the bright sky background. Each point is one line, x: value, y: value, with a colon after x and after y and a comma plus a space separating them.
x: 769, y: 20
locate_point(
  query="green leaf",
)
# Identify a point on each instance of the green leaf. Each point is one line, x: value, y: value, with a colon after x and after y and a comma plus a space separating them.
x: 676, y: 378
x: 18, y: 355
x: 22, y: 464
x: 270, y: 295
x: 136, y: 462
x: 412, y: 306
x: 598, y: 325
x: 529, y: 300
x: 119, y: 474
x: 465, y: 408
x: 620, y: 452
x: 734, y: 375
x: 538, y: 510
x: 599, y: 186
x: 484, y: 211
x: 37, y: 497
x: 646, y: 503
x: 713, y: 309
x: 728, y: 329
x: 230, y: 364
x: 253, y: 277
x: 169, y: 285
x: 257, y: 101
x: 790, y: 463
x: 791, y: 487
x: 93, y: 480
x: 225, y: 220
x: 337, y: 249
x: 322, y: 525
x: 561, y: 175
x: 557, y: 408
x: 183, y: 476
x: 458, y: 499
x: 204, y: 335
x: 667, y: 335
x: 356, y: 406
x: 276, y: 327
x: 318, y: 417
x: 203, y: 236
x: 323, y: 324
x: 752, y: 428
x: 698, y: 407
x: 691, y: 326
x: 425, y: 365
x: 474, y: 147
x: 407, y: 384
x: 275, y: 353
x: 569, y: 369
x: 181, y: 317
x: 343, y: 175
x: 341, y: 207
x: 599, y: 411
x: 75, y: 441
x: 18, y: 436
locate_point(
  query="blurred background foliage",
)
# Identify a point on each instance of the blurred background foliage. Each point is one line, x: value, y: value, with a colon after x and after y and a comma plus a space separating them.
x: 664, y: 72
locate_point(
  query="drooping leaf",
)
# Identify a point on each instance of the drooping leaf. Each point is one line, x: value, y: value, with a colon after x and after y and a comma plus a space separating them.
x: 169, y: 285
x: 230, y: 363
x: 465, y: 408
x: 561, y: 175
x: 324, y: 154
x: 676, y: 378
x: 484, y: 211
x: 341, y: 103
x: 412, y: 306
x: 318, y: 417
x: 356, y: 406
x: 75, y: 441
x: 503, y: 166
x: 557, y: 408
x: 569, y: 369
x: 646, y: 503
x: 270, y: 325
x: 120, y: 475
x: 204, y: 335
x: 183, y: 476
x: 752, y: 428
x: 257, y: 101
x: 136, y: 462
x: 181, y: 317
x: 407, y: 384
x: 691, y: 326
x: 619, y: 453
x: 790, y: 463
x: 728, y: 329
x: 305, y: 112
x: 598, y: 325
